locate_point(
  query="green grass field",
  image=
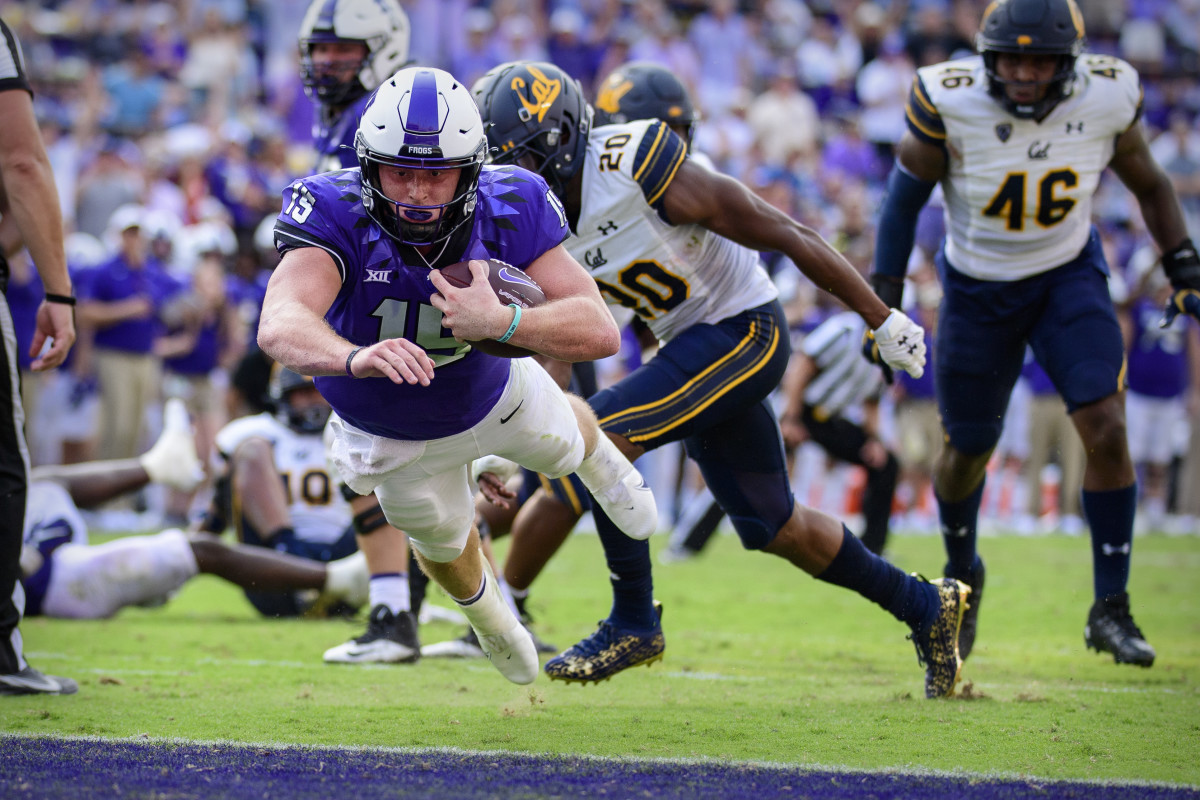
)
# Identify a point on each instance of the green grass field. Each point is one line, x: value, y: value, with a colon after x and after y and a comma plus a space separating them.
x: 762, y: 664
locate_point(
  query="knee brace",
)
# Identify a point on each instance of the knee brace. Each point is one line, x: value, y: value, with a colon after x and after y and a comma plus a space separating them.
x: 370, y: 520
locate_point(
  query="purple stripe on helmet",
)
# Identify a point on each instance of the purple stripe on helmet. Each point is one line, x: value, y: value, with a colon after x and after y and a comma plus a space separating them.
x: 423, y: 123
x: 325, y: 18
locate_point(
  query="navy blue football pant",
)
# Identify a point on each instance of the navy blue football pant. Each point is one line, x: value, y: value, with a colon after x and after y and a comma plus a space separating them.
x: 1065, y: 315
x: 708, y: 387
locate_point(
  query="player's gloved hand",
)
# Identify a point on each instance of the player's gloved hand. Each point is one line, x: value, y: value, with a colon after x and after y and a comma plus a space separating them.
x: 870, y: 351
x: 1182, y: 266
x: 1184, y: 301
x: 901, y: 343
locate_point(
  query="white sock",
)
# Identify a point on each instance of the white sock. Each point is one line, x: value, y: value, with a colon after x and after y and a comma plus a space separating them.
x: 475, y: 597
x: 507, y: 593
x: 390, y: 589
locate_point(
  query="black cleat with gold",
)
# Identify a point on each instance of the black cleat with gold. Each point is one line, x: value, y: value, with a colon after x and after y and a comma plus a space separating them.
x: 974, y: 579
x: 606, y: 652
x: 937, y: 643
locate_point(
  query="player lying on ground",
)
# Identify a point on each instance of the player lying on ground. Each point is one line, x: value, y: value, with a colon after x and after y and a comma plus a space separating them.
x: 65, y: 576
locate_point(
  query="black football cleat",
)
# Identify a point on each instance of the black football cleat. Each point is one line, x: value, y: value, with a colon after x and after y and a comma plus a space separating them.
x: 973, y: 579
x: 608, y: 651
x: 1110, y: 628
x: 389, y: 639
x: 937, y: 642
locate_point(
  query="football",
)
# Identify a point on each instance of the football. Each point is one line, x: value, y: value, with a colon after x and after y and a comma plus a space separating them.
x: 510, y: 285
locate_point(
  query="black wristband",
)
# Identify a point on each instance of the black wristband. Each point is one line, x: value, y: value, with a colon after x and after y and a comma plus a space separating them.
x: 888, y: 288
x: 63, y: 299
x: 350, y: 360
x: 1182, y: 266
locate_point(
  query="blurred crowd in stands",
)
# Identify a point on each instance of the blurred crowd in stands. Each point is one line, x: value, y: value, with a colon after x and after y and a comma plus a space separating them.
x: 173, y: 128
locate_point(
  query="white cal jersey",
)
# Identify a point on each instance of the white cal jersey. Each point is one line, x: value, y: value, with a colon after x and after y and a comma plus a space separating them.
x: 1018, y: 191
x: 51, y: 518
x: 318, y: 511
x: 673, y: 277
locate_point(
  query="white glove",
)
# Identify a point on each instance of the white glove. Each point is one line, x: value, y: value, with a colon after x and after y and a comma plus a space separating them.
x: 902, y: 343
x: 502, y: 468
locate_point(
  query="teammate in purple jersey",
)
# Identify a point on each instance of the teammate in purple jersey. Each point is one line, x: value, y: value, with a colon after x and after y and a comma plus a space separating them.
x: 356, y: 302
x: 347, y: 48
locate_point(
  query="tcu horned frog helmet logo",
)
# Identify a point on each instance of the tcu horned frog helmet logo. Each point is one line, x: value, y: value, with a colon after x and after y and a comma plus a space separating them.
x: 538, y: 98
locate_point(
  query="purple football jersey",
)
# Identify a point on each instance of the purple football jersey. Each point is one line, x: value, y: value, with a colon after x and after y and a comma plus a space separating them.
x: 1157, y: 356
x: 334, y: 139
x: 383, y: 297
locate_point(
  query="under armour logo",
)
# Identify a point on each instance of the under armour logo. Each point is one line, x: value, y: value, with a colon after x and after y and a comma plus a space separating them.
x: 378, y: 276
x: 595, y: 262
x: 1075, y: 127
x: 960, y: 532
x: 607, y: 227
x: 1109, y: 550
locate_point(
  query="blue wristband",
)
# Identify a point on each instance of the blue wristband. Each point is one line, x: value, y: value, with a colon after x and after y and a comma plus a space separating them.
x: 515, y: 321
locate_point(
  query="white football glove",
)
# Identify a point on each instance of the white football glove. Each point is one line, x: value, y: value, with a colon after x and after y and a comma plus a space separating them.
x: 502, y: 468
x: 902, y: 343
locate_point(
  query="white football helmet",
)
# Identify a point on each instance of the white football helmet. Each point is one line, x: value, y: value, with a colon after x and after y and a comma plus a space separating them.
x: 381, y: 25
x: 421, y: 118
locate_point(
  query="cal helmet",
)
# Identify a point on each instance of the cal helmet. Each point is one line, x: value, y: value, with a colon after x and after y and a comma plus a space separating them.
x: 284, y: 382
x: 1039, y: 27
x: 420, y: 118
x: 535, y: 115
x: 644, y: 90
x: 381, y: 25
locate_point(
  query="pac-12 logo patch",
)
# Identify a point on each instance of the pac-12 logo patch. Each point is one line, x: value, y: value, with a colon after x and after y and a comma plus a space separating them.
x: 1003, y: 131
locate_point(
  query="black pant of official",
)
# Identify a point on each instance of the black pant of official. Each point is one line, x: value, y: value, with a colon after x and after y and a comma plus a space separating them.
x: 844, y: 440
x: 14, y: 481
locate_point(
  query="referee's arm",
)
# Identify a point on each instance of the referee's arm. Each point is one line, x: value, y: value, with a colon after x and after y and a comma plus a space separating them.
x: 28, y: 194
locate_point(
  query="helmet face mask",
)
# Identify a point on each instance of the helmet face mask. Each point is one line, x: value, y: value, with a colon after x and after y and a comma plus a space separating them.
x: 420, y: 119
x: 302, y: 418
x: 1031, y: 27
x: 644, y: 90
x: 380, y: 26
x: 535, y: 115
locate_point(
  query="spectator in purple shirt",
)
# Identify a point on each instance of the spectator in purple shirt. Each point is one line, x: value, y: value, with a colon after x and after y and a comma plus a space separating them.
x: 120, y: 300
